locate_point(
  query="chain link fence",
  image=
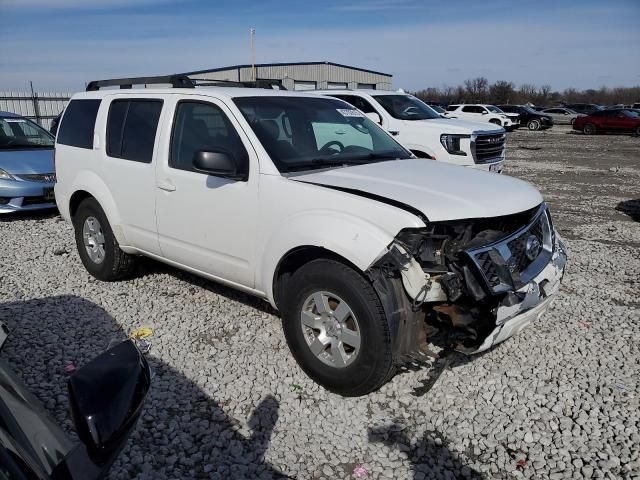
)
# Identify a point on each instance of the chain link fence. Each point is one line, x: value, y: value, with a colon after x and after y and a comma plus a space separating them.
x: 41, y: 107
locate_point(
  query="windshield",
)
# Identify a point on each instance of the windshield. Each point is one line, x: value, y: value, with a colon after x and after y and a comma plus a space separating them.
x: 301, y: 133
x: 437, y: 108
x: 406, y: 107
x: 494, y: 109
x: 530, y: 110
x: 22, y: 133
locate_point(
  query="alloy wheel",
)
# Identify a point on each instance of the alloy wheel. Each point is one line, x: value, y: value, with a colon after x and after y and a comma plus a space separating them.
x: 93, y: 239
x: 330, y: 329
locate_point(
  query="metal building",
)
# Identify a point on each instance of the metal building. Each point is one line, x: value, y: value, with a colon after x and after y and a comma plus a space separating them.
x: 302, y: 75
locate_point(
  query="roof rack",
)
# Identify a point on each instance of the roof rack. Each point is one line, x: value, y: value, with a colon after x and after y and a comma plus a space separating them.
x: 176, y: 81
x: 259, y: 83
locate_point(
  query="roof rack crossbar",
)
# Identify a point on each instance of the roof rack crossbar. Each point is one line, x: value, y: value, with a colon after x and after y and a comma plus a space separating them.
x: 176, y: 81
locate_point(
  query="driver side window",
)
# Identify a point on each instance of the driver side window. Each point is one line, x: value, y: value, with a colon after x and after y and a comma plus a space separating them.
x: 203, y: 126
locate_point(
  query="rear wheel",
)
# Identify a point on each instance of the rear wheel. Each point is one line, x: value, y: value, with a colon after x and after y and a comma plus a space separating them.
x: 97, y: 246
x: 589, y: 129
x: 533, y: 125
x: 336, y: 328
x: 637, y: 132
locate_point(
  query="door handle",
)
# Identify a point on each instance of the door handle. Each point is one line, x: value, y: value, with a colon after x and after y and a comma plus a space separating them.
x: 394, y: 132
x: 167, y: 186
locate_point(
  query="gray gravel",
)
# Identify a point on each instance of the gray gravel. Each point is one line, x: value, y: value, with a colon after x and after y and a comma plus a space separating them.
x: 559, y: 401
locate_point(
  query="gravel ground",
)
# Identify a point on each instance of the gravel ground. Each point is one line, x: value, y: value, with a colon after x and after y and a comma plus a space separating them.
x: 559, y: 401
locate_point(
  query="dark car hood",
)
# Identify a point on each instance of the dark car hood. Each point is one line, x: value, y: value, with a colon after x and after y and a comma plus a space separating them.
x: 34, y: 160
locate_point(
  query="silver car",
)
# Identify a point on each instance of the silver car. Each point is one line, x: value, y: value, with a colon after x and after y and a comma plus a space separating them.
x: 562, y: 116
x: 27, y: 173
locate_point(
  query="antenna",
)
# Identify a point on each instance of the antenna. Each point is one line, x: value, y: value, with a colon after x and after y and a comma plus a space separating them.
x: 252, y: 33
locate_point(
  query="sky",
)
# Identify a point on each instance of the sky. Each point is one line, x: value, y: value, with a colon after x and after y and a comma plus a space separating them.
x: 62, y: 44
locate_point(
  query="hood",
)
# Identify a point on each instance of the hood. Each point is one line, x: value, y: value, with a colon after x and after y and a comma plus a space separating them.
x: 37, y: 160
x: 511, y: 115
x: 439, y: 191
x: 456, y: 125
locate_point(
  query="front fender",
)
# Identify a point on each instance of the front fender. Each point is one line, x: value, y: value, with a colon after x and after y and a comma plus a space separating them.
x: 351, y: 237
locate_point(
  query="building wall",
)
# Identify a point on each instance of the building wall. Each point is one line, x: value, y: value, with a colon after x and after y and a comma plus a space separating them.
x: 322, y: 73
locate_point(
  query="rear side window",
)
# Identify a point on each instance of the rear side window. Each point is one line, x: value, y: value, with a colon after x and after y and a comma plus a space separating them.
x: 472, y: 109
x: 78, y: 123
x: 131, y: 129
x: 358, y: 102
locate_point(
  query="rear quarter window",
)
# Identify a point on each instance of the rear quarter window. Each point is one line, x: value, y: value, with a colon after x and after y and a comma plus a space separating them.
x: 131, y: 129
x: 78, y: 123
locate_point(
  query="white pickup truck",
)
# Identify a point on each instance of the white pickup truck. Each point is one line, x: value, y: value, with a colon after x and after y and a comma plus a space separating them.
x: 423, y: 131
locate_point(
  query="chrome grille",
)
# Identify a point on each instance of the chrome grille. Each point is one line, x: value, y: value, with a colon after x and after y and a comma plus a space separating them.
x: 505, y: 265
x: 487, y: 147
x: 38, y: 177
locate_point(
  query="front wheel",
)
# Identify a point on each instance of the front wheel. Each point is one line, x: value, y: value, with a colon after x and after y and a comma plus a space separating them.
x: 533, y: 125
x: 637, y: 132
x: 589, y: 129
x: 336, y: 328
x: 98, y: 248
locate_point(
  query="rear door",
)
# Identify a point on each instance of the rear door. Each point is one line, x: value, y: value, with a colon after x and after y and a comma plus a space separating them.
x: 205, y: 222
x: 128, y: 146
x: 473, y: 112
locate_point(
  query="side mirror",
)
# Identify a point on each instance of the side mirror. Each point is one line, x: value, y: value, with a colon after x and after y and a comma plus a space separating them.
x: 485, y: 113
x: 566, y: 113
x: 215, y: 162
x: 106, y: 397
x: 375, y: 117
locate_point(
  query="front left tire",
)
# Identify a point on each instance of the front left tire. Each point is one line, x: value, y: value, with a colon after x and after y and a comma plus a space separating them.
x: 336, y: 328
x: 533, y: 125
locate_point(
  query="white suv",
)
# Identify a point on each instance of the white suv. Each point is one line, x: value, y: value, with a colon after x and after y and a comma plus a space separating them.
x: 305, y: 202
x: 484, y: 113
x: 425, y: 132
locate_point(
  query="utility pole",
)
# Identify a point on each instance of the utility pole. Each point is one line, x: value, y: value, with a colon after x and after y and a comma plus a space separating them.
x: 252, y: 33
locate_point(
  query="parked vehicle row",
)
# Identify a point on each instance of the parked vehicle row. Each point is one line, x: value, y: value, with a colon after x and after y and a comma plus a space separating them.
x: 316, y: 209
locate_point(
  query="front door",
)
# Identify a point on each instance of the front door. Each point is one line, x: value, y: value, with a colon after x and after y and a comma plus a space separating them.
x: 207, y: 222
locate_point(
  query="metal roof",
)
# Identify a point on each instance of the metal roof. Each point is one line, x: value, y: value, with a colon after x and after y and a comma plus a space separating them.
x: 258, y: 65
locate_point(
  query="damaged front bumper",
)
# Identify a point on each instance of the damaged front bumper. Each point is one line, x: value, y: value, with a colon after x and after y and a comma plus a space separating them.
x: 481, y: 296
x: 536, y: 296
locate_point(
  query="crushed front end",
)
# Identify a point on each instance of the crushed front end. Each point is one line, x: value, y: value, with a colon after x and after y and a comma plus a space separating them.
x: 479, y: 281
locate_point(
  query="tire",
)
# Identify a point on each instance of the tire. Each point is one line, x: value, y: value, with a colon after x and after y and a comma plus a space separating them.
x: 637, y: 131
x: 533, y: 125
x: 100, y: 252
x: 589, y: 129
x: 572, y: 121
x: 337, y: 288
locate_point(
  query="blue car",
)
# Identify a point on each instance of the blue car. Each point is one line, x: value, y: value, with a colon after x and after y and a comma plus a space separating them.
x: 27, y: 172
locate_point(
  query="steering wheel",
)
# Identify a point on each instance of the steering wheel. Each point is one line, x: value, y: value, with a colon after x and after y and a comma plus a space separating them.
x: 326, y: 148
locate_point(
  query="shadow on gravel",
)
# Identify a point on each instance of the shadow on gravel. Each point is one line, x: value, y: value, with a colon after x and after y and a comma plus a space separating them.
x: 430, y: 458
x: 148, y: 266
x: 34, y: 215
x: 182, y: 433
x: 631, y: 208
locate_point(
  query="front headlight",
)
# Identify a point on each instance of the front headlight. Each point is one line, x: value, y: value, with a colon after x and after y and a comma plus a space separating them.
x: 451, y: 143
x: 5, y: 175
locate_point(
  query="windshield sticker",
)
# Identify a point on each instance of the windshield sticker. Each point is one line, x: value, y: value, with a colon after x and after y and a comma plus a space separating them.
x: 346, y: 112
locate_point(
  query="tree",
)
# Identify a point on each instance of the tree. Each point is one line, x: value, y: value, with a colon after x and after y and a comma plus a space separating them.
x: 477, y: 89
x: 502, y: 92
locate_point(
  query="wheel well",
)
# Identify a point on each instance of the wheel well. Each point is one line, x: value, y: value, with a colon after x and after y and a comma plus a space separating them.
x: 296, y: 258
x: 421, y: 154
x: 76, y: 199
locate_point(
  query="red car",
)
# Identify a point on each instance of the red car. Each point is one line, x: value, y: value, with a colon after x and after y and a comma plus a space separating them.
x: 612, y: 120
